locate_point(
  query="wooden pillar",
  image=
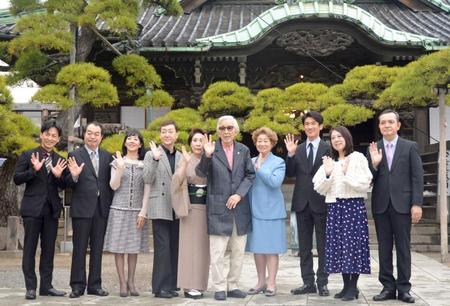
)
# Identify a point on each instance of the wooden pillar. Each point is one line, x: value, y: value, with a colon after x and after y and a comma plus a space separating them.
x: 442, y: 178
x: 242, y: 70
x: 197, y: 71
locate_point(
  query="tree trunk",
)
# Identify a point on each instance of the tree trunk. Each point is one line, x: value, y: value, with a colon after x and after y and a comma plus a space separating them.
x: 9, y: 192
x: 84, y: 39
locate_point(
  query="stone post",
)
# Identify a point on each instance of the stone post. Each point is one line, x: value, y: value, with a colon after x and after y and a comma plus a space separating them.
x: 13, y: 233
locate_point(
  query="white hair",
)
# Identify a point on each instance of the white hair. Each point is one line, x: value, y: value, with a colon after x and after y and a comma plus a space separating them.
x: 228, y: 117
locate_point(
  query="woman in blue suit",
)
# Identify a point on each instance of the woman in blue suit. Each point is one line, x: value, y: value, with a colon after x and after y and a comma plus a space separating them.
x: 268, y: 237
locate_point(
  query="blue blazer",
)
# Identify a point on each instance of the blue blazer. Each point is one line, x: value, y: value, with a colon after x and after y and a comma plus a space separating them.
x: 266, y: 197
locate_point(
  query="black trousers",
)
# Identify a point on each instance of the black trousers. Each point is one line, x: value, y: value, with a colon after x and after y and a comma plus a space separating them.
x: 165, y: 259
x: 92, y: 231
x: 391, y: 227
x: 46, y: 227
x: 308, y: 222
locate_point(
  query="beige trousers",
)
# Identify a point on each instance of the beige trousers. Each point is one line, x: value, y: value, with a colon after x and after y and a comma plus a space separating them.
x: 217, y: 247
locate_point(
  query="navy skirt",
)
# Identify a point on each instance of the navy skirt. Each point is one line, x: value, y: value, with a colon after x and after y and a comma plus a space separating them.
x: 347, y: 237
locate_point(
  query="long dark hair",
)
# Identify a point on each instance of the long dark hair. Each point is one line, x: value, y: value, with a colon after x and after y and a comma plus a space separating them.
x: 348, y: 141
x: 141, y: 151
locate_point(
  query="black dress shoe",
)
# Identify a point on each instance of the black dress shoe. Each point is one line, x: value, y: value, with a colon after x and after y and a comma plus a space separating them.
x: 406, y: 297
x: 304, y: 289
x: 220, y: 295
x: 236, y: 293
x: 52, y: 292
x: 174, y: 293
x: 98, y: 292
x: 385, y: 295
x: 30, y: 294
x: 75, y: 294
x: 164, y: 294
x: 323, y: 290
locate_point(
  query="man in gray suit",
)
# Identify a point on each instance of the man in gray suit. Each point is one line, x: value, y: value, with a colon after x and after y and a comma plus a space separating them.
x: 159, y: 165
x: 396, y: 202
x: 230, y: 173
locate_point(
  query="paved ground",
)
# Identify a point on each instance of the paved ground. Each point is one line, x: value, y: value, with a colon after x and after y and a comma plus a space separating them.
x: 431, y: 284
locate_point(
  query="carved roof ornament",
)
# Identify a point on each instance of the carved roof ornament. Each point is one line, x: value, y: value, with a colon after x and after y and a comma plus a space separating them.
x: 320, y: 42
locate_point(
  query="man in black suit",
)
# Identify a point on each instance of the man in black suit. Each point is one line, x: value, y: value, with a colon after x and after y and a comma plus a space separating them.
x: 396, y: 202
x: 89, y: 179
x: 311, y: 211
x: 41, y: 169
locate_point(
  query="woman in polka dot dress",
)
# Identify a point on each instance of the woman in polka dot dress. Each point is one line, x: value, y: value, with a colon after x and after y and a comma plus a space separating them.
x: 344, y: 179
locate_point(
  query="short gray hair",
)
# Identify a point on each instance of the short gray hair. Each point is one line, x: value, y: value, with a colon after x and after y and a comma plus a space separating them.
x: 228, y: 117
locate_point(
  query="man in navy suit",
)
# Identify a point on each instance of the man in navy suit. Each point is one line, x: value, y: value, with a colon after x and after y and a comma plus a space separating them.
x: 89, y: 178
x: 396, y: 202
x: 41, y: 169
x: 310, y: 208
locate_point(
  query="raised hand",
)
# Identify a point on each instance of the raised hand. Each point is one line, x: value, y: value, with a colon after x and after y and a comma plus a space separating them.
x: 74, y: 169
x: 375, y: 154
x: 186, y: 155
x: 209, y: 146
x: 155, y: 151
x: 59, y: 168
x: 37, y: 165
x: 291, y: 144
x: 328, y: 165
x: 120, y: 163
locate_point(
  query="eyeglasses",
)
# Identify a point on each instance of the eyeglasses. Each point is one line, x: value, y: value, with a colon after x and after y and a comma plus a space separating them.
x: 228, y: 128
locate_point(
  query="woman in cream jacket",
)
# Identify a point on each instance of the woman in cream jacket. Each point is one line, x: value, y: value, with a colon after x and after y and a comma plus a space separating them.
x: 344, y: 179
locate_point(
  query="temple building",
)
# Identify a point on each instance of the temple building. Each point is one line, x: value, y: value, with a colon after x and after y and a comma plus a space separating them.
x: 276, y: 43
x: 267, y: 43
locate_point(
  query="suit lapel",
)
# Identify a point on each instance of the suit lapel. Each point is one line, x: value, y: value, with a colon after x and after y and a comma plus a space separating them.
x: 43, y: 171
x: 165, y: 160
x: 303, y: 157
x: 380, y: 145
x: 237, y: 157
x: 102, y: 161
x: 220, y: 153
x: 87, y: 160
x: 268, y: 162
x: 320, y: 152
x: 397, y: 152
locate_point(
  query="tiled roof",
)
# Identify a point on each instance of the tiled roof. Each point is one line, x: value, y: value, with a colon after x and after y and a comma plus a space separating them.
x: 7, y: 21
x: 442, y: 4
x: 315, y: 10
x: 210, y: 20
x: 213, y: 19
x: 436, y: 24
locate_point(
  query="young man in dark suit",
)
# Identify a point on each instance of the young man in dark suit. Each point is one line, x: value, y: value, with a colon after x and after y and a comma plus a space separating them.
x: 41, y: 169
x: 89, y: 178
x: 396, y: 202
x: 302, y: 163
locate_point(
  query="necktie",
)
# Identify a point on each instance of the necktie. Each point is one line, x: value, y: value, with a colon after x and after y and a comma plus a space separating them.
x: 48, y: 162
x: 310, y: 156
x: 389, y: 154
x: 94, y: 161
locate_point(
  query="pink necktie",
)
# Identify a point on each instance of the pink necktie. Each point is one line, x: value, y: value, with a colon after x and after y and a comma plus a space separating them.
x: 389, y: 154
